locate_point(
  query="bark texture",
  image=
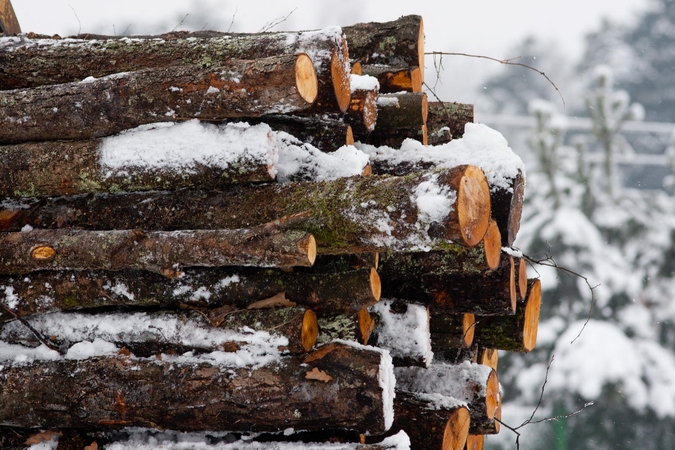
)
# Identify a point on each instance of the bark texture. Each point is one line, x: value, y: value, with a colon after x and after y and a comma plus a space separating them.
x: 327, y: 133
x: 451, y: 330
x: 507, y: 209
x: 446, y: 121
x: 362, y: 111
x: 395, y: 79
x: 349, y: 327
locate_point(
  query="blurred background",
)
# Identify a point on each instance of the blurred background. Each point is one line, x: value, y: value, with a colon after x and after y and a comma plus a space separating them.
x: 599, y: 148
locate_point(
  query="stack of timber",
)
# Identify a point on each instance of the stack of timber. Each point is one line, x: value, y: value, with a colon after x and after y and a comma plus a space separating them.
x: 245, y: 240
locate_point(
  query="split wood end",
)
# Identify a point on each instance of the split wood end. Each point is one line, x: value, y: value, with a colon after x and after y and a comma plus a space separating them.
x: 475, y: 442
x: 488, y: 357
x: 522, y: 278
x: 420, y: 48
x: 512, y: 284
x: 349, y: 138
x: 366, y: 325
x: 491, y: 395
x: 357, y: 68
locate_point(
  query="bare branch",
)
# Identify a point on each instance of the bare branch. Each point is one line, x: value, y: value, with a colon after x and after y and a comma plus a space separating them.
x: 269, y: 25
x: 181, y: 22
x: 541, y: 396
x: 37, y: 334
x: 78, y: 20
x: 233, y: 16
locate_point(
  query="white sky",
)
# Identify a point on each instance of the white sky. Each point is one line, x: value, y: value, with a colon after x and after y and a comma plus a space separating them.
x: 489, y: 27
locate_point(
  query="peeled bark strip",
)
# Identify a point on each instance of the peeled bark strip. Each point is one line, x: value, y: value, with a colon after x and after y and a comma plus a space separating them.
x: 8, y: 22
x: 431, y: 426
x: 108, y: 105
x: 114, y: 392
x: 347, y: 215
x: 451, y: 330
x: 48, y: 291
x: 397, y: 43
x: 474, y: 384
x: 327, y: 133
x: 171, y: 332
x: 44, y: 61
x: 53, y: 168
x: 157, y: 251
x: 517, y: 333
x: 507, y: 209
x: 349, y: 327
x: 446, y: 121
x: 395, y: 79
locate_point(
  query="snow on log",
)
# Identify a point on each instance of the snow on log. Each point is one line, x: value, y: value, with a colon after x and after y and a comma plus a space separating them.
x: 327, y: 133
x: 45, y: 60
x: 163, y: 252
x: 347, y: 215
x: 516, y: 333
x: 97, y: 107
x: 451, y: 331
x: 244, y: 334
x: 446, y: 121
x: 337, y: 386
x: 395, y: 79
x: 474, y: 384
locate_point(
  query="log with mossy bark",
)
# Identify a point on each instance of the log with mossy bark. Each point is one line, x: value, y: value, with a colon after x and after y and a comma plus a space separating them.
x: 336, y: 386
x: 355, y: 327
x: 286, y: 329
x: 163, y: 252
x: 516, y: 333
x: 446, y: 121
x: 395, y: 79
x: 44, y: 60
x: 327, y: 133
x: 347, y: 215
x: 105, y: 106
x: 397, y: 43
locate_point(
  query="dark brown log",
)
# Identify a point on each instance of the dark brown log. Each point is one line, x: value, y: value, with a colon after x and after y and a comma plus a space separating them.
x: 8, y: 22
x: 114, y: 392
x: 393, y: 138
x: 446, y: 121
x: 162, y: 252
x: 348, y: 327
x: 397, y: 43
x: 456, y: 355
x: 507, y: 209
x: 431, y: 426
x: 459, y: 292
x: 348, y: 215
x: 346, y: 262
x: 362, y: 111
x: 401, y: 110
x: 108, y: 105
x: 517, y: 333
x: 451, y: 330
x: 395, y: 79
x: 475, y: 442
x: 474, y: 384
x: 48, y: 291
x: 52, y: 168
x: 44, y: 61
x: 327, y: 133
x: 169, y: 332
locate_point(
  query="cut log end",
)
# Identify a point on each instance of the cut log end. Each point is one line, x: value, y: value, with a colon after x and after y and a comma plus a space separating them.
x: 475, y: 442
x: 340, y: 76
x: 310, y: 330
x: 468, y: 328
x: 349, y: 140
x: 366, y: 325
x: 473, y: 205
x: 532, y: 316
x: 488, y: 357
x: 305, y: 78
x: 357, y: 68
x: 456, y: 430
x: 375, y: 284
x: 522, y: 278
x: 309, y: 245
x: 425, y: 109
x: 42, y: 253
x: 7, y: 218
x: 492, y: 245
x: 420, y: 48
x: 8, y: 21
x: 417, y: 80
x: 512, y: 286
x: 491, y: 395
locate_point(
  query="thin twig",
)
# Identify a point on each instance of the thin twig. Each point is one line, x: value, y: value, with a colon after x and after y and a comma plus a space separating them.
x: 37, y: 334
x: 269, y: 25
x: 233, y: 16
x: 78, y: 20
x: 541, y: 396
x: 509, y: 62
x: 180, y: 23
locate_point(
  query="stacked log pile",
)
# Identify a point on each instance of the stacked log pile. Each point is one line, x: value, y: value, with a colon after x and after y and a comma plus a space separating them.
x: 190, y: 241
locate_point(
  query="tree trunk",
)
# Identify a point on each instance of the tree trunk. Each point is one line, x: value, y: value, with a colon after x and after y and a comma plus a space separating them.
x: 45, y: 61
x: 171, y: 333
x: 113, y: 392
x: 52, y: 168
x: 451, y: 330
x: 162, y: 252
x: 397, y: 43
x: 452, y: 259
x: 507, y: 208
x: 327, y: 133
x: 431, y: 427
x: 395, y: 79
x: 446, y: 121
x: 105, y: 106
x: 8, y: 22
x: 347, y: 292
x: 517, y: 333
x: 347, y: 215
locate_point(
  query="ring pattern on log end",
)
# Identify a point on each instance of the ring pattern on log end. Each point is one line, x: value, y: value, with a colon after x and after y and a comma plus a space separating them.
x: 305, y: 78
x: 456, y: 430
x: 473, y: 205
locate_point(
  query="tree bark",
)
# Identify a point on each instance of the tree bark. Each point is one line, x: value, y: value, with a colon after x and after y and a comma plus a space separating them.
x: 516, y: 333
x: 48, y: 291
x: 362, y: 111
x: 53, y: 168
x: 451, y: 330
x: 401, y: 110
x: 491, y: 427
x: 327, y: 133
x: 456, y: 355
x: 113, y: 392
x: 430, y: 427
x: 397, y: 43
x: 108, y: 105
x: 446, y: 121
x: 393, y: 138
x: 8, y: 22
x: 169, y: 332
x: 348, y: 327
x: 347, y: 215
x: 395, y: 79
x: 156, y: 251
x: 507, y: 208
x: 44, y: 61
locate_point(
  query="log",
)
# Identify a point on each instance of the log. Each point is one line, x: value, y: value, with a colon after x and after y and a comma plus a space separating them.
x: 395, y: 79
x: 491, y: 427
x: 393, y: 138
x: 204, y: 288
x: 327, y: 133
x: 347, y: 327
x: 351, y: 391
x: 507, y: 208
x: 488, y: 357
x: 239, y: 154
x: 162, y: 252
x: 517, y: 333
x: 451, y: 330
x: 481, y: 293
x: 446, y: 121
x: 362, y: 111
x: 45, y: 60
x: 8, y: 21
x: 456, y: 355
x: 401, y: 110
x: 475, y: 442
x: 348, y: 215
x: 105, y: 106
x: 453, y: 258
x: 431, y: 425
x: 492, y: 245
x: 474, y: 384
x: 522, y: 276
x: 288, y: 330
x: 397, y: 43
